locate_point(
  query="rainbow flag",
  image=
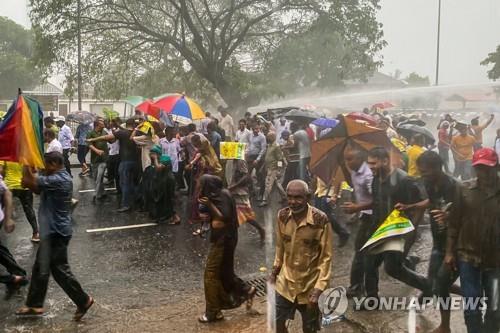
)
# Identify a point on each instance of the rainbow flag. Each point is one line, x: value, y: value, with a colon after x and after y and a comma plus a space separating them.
x: 21, y: 133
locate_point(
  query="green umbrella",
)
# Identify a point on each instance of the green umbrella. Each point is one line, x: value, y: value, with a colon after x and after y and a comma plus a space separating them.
x: 134, y: 100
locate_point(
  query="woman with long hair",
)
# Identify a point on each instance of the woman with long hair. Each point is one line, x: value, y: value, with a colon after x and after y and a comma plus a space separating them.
x: 223, y: 289
x: 204, y: 162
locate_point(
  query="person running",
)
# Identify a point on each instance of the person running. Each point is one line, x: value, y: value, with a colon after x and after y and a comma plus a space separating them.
x: 239, y: 190
x: 302, y: 264
x: 274, y: 161
x: 416, y: 149
x: 66, y: 139
x: 55, y: 189
x: 444, y: 144
x: 98, y: 158
x: 473, y: 244
x: 16, y: 277
x: 443, y: 191
x: 13, y: 172
x: 462, y: 146
x: 129, y: 168
x: 477, y: 130
x: 392, y: 189
x: 362, y: 179
x: 81, y: 134
x: 223, y: 288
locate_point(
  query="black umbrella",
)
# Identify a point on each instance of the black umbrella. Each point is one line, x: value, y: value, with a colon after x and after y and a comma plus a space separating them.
x: 300, y: 115
x: 82, y: 117
x: 409, y: 130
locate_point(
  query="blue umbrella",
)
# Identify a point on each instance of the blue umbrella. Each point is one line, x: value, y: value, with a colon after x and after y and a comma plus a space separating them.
x: 325, y: 122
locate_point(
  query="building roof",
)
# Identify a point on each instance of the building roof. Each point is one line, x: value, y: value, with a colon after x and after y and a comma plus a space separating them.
x: 46, y: 88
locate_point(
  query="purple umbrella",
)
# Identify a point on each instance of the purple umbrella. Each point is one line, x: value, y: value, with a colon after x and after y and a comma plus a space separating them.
x: 325, y: 122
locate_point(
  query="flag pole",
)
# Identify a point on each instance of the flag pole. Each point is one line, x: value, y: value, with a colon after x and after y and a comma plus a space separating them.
x: 19, y: 91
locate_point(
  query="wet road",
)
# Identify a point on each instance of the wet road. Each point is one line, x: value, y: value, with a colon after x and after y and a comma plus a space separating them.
x: 150, y: 279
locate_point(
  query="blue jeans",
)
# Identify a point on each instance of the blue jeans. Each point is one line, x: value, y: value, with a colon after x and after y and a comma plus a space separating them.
x: 477, y: 282
x: 128, y: 175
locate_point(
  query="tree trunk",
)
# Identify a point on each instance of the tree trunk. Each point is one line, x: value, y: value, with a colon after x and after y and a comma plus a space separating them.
x: 233, y: 97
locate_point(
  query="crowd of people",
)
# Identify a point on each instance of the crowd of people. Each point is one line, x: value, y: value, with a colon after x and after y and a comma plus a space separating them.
x: 148, y: 163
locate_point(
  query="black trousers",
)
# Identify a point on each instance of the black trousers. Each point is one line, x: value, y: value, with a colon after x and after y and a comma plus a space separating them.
x: 285, y: 310
x: 67, y: 165
x: 395, y: 267
x: 10, y: 264
x: 26, y: 198
x: 52, y: 257
x: 113, y: 175
x: 358, y: 265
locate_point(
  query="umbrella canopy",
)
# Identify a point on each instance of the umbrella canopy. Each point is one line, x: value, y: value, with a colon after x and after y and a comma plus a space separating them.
x: 182, y: 108
x: 326, y: 122
x: 383, y: 105
x: 134, y: 100
x: 301, y: 115
x: 363, y: 117
x: 82, y: 117
x: 409, y: 130
x: 327, y: 154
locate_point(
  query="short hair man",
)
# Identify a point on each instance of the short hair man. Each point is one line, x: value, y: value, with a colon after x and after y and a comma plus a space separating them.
x: 473, y: 243
x: 302, y: 265
x: 55, y: 189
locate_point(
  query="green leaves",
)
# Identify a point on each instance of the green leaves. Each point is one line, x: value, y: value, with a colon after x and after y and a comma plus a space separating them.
x: 493, y: 59
x: 16, y: 66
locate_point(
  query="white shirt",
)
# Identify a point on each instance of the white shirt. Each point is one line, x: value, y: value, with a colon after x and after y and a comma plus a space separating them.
x: 66, y: 137
x: 114, y: 148
x: 227, y: 124
x: 243, y: 136
x: 54, y: 145
x: 171, y: 148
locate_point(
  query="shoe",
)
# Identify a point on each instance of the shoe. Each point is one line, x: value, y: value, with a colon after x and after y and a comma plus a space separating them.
x: 35, y: 238
x: 263, y: 203
x: 355, y: 291
x: 123, y: 209
x: 13, y: 287
x: 74, y: 203
x: 80, y: 312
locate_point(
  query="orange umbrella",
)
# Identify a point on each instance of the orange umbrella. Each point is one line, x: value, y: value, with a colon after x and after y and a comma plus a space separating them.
x: 327, y: 154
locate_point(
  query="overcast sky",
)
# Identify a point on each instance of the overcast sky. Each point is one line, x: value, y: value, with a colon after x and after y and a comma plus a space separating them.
x: 469, y: 31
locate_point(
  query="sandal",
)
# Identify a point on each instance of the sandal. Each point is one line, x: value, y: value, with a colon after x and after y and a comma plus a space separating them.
x: 80, y: 312
x: 27, y: 312
x: 251, y: 294
x: 197, y: 232
x: 175, y: 220
x: 205, y: 320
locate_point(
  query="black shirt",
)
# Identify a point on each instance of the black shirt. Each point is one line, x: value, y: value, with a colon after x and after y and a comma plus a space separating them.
x: 128, y: 148
x: 397, y: 188
x: 440, y: 195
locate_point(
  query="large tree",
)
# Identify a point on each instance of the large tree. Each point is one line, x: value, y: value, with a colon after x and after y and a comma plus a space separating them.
x: 16, y: 51
x: 231, y: 44
x: 493, y: 59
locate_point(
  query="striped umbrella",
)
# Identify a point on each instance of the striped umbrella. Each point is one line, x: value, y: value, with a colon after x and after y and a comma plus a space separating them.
x: 182, y: 108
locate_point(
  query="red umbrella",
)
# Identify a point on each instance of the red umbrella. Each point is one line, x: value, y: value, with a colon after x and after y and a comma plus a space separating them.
x: 383, y: 105
x: 147, y: 107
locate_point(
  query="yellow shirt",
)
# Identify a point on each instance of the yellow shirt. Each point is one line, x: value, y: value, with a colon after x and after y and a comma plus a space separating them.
x: 322, y: 190
x: 304, y: 251
x: 13, y: 175
x: 462, y: 147
x: 413, y: 153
